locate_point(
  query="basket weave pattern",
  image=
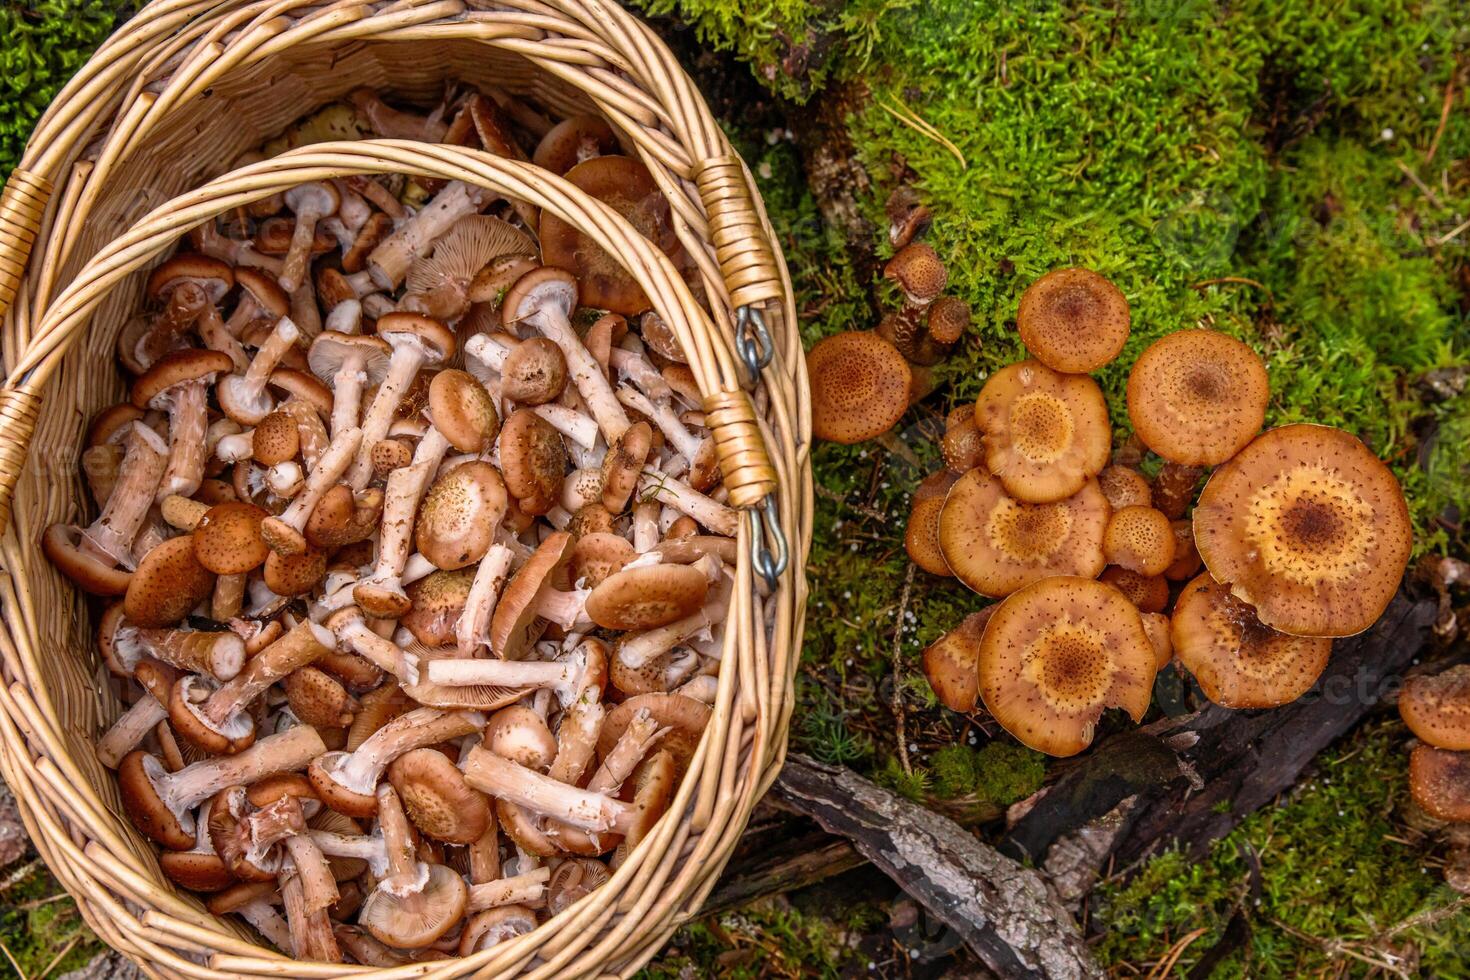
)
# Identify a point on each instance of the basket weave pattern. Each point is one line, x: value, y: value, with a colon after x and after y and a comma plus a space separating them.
x: 125, y: 162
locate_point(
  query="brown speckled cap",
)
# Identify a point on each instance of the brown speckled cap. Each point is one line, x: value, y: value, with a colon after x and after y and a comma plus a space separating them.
x: 1437, y: 707
x: 1197, y: 397
x: 952, y: 662
x: 1056, y: 654
x: 1309, y: 527
x: 1439, y: 781
x: 1045, y: 433
x: 1073, y: 320
x: 1139, y: 539
x: 860, y: 386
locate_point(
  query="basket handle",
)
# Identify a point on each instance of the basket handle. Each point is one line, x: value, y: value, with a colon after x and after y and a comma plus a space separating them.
x: 747, y: 262
x: 22, y: 206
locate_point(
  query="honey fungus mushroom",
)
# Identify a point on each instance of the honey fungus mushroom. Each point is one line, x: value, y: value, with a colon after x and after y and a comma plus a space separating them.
x: 921, y: 536
x: 860, y: 386
x: 1439, y: 781
x: 1437, y: 707
x: 1073, y: 320
x: 1056, y: 654
x: 1198, y: 397
x: 996, y: 544
x: 952, y: 662
x: 1045, y: 433
x: 1238, y: 661
x: 1307, y: 526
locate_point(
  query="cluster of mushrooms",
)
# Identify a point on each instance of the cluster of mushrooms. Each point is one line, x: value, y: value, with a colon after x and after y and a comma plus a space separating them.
x: 416, y: 549
x: 1437, y: 710
x: 1303, y: 533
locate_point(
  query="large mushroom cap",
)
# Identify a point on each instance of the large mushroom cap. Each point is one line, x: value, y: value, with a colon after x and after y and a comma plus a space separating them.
x: 438, y: 800
x: 1437, y: 708
x: 1045, y: 433
x: 1439, y: 781
x: 1073, y: 320
x: 952, y: 662
x: 647, y: 597
x: 227, y: 539
x: 176, y: 368
x: 515, y: 625
x: 1238, y: 661
x: 1198, y: 397
x: 168, y: 583
x: 996, y: 544
x: 1309, y: 527
x: 459, y: 515
x: 1056, y: 654
x: 533, y: 460
x: 860, y: 386
x: 627, y: 187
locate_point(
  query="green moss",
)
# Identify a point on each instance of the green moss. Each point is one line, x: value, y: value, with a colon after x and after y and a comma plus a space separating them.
x: 1338, y: 870
x: 38, y: 921
x: 771, y: 937
x: 997, y: 773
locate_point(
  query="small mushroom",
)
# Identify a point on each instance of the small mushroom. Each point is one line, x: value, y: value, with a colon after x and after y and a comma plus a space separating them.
x: 1073, y: 320
x: 463, y: 410
x: 488, y: 929
x: 1045, y: 433
x: 962, y: 445
x: 1308, y: 526
x: 348, y: 362
x: 437, y: 799
x: 622, y: 467
x: 860, y: 386
x: 414, y: 904
x: 310, y: 202
x: 439, y: 284
x: 1437, y: 707
x: 1058, y: 652
x: 178, y: 383
x: 1150, y: 593
x: 1139, y: 539
x: 517, y: 622
x: 1197, y: 397
x: 243, y: 397
x: 921, y: 535
x: 533, y: 460
x: 439, y: 599
x: 168, y: 583
x: 647, y: 597
x: 685, y: 719
x: 1124, y: 487
x: 996, y: 544
x: 1173, y: 488
x: 534, y: 372
x: 951, y: 663
x: 574, y: 140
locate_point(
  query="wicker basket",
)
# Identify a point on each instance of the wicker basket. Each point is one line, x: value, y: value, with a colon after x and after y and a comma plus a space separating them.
x: 162, y: 109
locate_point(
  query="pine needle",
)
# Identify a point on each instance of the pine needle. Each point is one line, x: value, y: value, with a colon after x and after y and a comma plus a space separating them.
x: 914, y: 121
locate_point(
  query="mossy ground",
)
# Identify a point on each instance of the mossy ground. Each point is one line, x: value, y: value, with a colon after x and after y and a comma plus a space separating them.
x: 1276, y: 170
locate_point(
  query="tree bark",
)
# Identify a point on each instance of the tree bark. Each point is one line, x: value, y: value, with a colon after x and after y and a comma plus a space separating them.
x: 1003, y: 911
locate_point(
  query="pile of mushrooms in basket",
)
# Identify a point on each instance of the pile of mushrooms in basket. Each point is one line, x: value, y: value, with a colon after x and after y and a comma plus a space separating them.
x: 414, y: 547
x: 1104, y: 575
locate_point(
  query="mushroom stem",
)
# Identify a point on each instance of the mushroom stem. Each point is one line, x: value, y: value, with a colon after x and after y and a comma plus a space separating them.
x: 567, y: 610
x: 458, y: 672
x: 583, y: 809
x: 318, y: 883
x: 354, y: 635
x: 686, y: 443
x: 130, y: 729
x: 289, y: 751
x: 311, y: 434
x: 389, y: 262
x: 268, y: 922
x: 216, y: 336
x: 523, y: 889
x: 576, y: 740
x: 361, y: 770
x: 298, y: 648
x: 640, y: 735
x: 283, y: 533
x: 243, y: 396
x: 405, y: 489
x: 585, y: 372
x: 110, y: 536
x: 218, y: 654
x: 363, y: 847
x: 207, y: 239
x: 637, y: 649
x: 472, y: 630
x: 409, y: 354
x: 310, y: 932
x: 645, y: 526
x: 570, y: 423
x: 347, y: 392
x: 653, y: 485
x: 638, y: 369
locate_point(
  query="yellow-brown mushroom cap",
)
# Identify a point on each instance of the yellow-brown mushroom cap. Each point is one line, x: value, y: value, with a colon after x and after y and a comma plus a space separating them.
x: 860, y: 386
x: 1139, y: 539
x: 921, y: 536
x: 1238, y: 661
x: 951, y: 663
x: 1125, y: 487
x: 1157, y: 626
x: 1437, y: 708
x: 997, y: 544
x: 1439, y: 781
x: 1150, y: 593
x: 1056, y: 654
x: 1197, y: 397
x: 1309, y: 527
x: 1045, y: 433
x: 1073, y: 320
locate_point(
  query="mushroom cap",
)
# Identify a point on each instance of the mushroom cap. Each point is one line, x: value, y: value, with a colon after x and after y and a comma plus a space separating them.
x: 660, y: 338
x: 521, y: 735
x: 952, y: 663
x: 141, y: 802
x: 572, y: 880
x: 1198, y: 397
x: 437, y: 799
x: 1150, y: 593
x: 533, y: 460
x: 176, y: 368
x: 1238, y: 661
x: 1308, y: 526
x: 110, y: 422
x: 475, y: 241
x: 1437, y: 707
x: 859, y: 386
x: 653, y: 784
x: 684, y: 717
x: 304, y: 386
x: 921, y: 536
x: 1073, y: 320
x: 625, y: 185
x: 196, y: 871
x: 298, y: 574
x: 534, y: 372
x: 1056, y: 654
x: 490, y: 928
x: 1187, y: 563
x: 1125, y: 487
x: 192, y: 266
x: 227, y: 538
x: 623, y: 465
x: 435, y: 336
x: 186, y: 716
x: 459, y: 515
x: 438, y: 599
x: 515, y: 625
x: 419, y: 919
x: 168, y: 583
x: 597, y: 556
x: 918, y: 271
x: 996, y: 544
x: 1439, y: 781
x: 275, y: 440
x: 1045, y: 433
x: 962, y: 446
x: 318, y: 699
x: 573, y: 141
x: 61, y: 544
x: 1139, y: 539
x: 463, y: 411
x: 542, y: 286
x: 264, y: 289
x: 330, y: 349
x: 1157, y: 626
x: 647, y: 597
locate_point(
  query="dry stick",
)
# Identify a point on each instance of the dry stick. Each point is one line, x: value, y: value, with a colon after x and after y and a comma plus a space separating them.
x: 898, y: 712
x: 56, y: 960
x: 1444, y: 116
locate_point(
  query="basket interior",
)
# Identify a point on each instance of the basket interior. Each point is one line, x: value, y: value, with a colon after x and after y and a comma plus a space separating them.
x: 199, y: 140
